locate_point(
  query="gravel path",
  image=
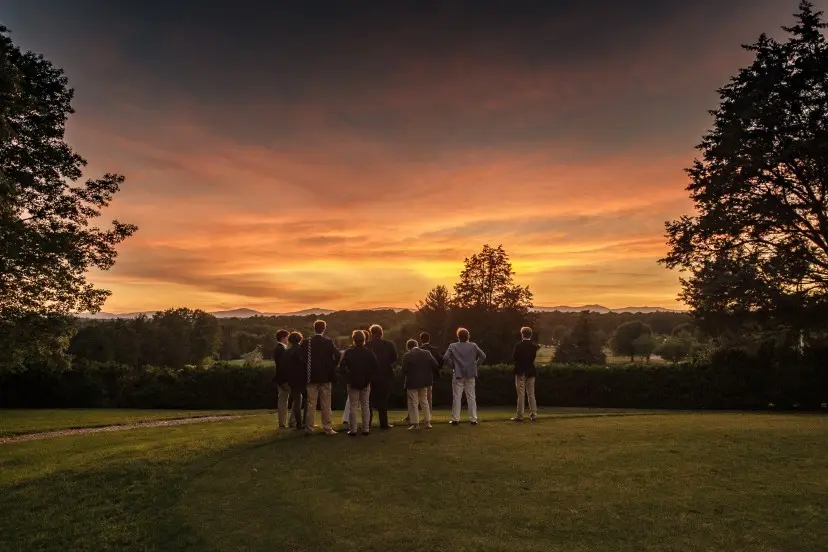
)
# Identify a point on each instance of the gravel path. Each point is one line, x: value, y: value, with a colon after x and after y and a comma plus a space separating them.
x: 160, y: 423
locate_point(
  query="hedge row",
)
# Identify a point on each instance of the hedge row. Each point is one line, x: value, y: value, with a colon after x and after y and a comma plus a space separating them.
x: 732, y: 380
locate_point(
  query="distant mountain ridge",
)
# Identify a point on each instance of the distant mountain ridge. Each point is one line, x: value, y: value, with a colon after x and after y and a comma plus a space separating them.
x: 318, y: 311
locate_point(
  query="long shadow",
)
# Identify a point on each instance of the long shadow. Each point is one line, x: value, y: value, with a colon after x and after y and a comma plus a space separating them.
x: 124, y: 506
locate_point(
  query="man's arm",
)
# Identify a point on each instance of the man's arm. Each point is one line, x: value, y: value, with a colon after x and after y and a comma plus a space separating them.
x: 481, y: 356
x: 337, y: 355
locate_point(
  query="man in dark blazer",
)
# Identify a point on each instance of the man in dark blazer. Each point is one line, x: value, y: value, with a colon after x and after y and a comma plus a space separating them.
x: 525, y: 373
x: 320, y: 357
x: 280, y: 378
x: 418, y: 366
x: 386, y: 353
x: 425, y: 344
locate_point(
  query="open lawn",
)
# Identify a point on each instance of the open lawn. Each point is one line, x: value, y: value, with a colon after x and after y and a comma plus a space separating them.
x: 20, y: 422
x: 583, y: 482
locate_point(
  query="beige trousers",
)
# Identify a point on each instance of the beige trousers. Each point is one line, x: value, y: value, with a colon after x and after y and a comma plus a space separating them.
x: 418, y: 400
x: 526, y: 389
x: 358, y: 398
x: 284, y: 393
x: 322, y: 392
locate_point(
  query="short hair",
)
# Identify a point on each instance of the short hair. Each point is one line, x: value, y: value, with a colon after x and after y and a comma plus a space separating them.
x: 376, y: 330
x: 319, y: 326
x: 281, y: 334
x: 463, y: 334
x: 367, y: 334
x: 410, y: 344
x: 358, y: 337
x: 526, y: 332
x: 295, y: 338
x: 424, y: 337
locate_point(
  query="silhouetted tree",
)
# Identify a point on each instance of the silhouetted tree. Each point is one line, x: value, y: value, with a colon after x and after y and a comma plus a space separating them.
x: 624, y: 341
x: 583, y: 345
x: 433, y: 314
x: 675, y: 348
x: 757, y: 249
x: 644, y: 345
x: 46, y: 241
x: 488, y: 302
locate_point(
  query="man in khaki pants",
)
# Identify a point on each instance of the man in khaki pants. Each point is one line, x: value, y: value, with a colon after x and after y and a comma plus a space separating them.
x: 320, y: 357
x: 525, y: 374
x: 418, y: 367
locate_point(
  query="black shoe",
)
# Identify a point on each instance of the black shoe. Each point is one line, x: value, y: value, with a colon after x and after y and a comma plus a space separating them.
x: 518, y: 420
x: 350, y: 434
x: 366, y: 433
x: 473, y: 423
x: 454, y: 422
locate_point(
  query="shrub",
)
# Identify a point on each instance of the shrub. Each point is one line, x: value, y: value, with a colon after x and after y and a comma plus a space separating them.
x: 731, y: 379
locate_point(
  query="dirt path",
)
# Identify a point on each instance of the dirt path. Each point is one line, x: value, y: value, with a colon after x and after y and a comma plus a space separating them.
x: 123, y: 427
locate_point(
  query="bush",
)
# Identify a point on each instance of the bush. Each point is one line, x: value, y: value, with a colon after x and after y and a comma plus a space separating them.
x: 731, y: 379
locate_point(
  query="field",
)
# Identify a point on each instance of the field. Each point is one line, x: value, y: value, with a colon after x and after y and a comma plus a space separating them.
x: 576, y: 480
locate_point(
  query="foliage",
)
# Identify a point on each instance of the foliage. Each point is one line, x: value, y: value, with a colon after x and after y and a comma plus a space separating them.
x: 253, y: 356
x: 583, y: 345
x: 490, y: 304
x: 433, y: 314
x: 731, y: 378
x: 757, y: 249
x: 32, y: 339
x: 675, y: 348
x: 47, y: 242
x: 627, y: 340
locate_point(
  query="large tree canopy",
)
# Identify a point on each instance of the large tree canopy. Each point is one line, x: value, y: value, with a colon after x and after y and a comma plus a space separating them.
x: 47, y: 242
x: 757, y: 249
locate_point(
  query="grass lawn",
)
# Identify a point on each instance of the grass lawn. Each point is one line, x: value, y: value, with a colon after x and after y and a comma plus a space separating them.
x: 19, y: 422
x: 657, y: 482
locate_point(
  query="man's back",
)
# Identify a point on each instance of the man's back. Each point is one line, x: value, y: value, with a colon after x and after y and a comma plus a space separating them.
x: 360, y: 365
x: 281, y: 371
x: 524, y: 356
x: 386, y: 353
x: 418, y: 366
x: 324, y: 358
x: 465, y: 356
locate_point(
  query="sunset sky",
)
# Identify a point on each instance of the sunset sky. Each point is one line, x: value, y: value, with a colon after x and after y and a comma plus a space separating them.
x: 351, y: 154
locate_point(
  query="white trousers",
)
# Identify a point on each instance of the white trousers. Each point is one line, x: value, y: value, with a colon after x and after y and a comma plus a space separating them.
x: 458, y: 387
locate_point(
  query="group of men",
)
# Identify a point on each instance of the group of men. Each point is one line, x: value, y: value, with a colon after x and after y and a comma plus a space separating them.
x: 306, y: 369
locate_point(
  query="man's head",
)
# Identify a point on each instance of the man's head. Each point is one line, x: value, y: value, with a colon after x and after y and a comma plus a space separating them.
x: 410, y: 344
x: 425, y: 338
x: 295, y: 338
x: 366, y: 334
x: 319, y: 327
x: 462, y: 334
x: 282, y: 335
x: 526, y: 332
x: 376, y: 330
x: 358, y: 337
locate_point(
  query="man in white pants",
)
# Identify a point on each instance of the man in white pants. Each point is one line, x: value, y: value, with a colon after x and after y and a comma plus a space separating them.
x: 465, y: 357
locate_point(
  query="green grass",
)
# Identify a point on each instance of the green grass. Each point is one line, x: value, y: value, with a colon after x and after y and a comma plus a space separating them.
x: 19, y: 422
x: 580, y: 482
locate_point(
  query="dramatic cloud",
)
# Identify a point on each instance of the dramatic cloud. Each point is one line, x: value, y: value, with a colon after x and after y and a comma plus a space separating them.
x: 293, y: 156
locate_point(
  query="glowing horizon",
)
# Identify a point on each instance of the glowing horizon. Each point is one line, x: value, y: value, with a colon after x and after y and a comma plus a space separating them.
x: 281, y: 159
